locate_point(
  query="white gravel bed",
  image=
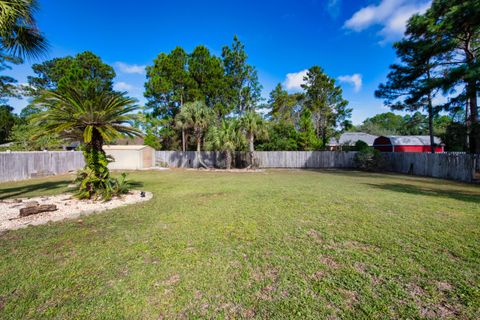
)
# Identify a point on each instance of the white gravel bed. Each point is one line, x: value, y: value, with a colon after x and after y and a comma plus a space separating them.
x: 68, y: 207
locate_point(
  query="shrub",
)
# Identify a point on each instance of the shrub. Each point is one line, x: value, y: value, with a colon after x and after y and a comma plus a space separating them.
x: 368, y: 159
x: 94, y: 181
x: 360, y: 145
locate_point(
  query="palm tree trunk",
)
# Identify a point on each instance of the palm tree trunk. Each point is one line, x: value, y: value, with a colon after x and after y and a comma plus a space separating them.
x: 228, y: 159
x: 183, y: 140
x: 199, y: 151
x: 251, y: 149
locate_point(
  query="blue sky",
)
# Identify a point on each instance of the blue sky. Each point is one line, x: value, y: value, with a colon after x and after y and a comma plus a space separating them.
x: 350, y: 39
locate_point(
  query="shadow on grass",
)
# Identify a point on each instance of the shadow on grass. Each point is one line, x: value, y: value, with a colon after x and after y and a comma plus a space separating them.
x: 24, y: 190
x: 36, y: 187
x: 353, y: 173
x: 428, y: 191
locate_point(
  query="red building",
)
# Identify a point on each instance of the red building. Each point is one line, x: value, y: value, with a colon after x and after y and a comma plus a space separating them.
x: 407, y: 144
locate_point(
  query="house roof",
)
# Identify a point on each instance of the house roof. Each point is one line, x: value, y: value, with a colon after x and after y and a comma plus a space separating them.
x: 124, y: 147
x: 349, y: 138
x: 130, y: 141
x: 413, y: 140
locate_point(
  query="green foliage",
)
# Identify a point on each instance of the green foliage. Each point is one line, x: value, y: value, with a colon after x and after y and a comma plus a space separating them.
x: 197, y: 117
x: 94, y: 180
x: 439, y: 54
x: 29, y: 137
x: 282, y: 137
x: 244, y: 89
x: 93, y: 117
x: 390, y: 123
x: 226, y: 138
x: 152, y: 140
x: 81, y: 72
x: 7, y: 83
x: 307, y: 139
x: 7, y: 121
x: 254, y: 127
x: 324, y: 99
x: 227, y: 84
x: 361, y: 145
x: 121, y: 185
x: 369, y: 159
x: 169, y: 84
x: 19, y: 33
x: 284, y: 106
x: 457, y: 24
x: 207, y: 72
x: 75, y: 113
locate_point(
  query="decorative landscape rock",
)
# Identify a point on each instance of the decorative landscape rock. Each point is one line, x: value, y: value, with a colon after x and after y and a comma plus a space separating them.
x: 31, y: 204
x: 27, y: 211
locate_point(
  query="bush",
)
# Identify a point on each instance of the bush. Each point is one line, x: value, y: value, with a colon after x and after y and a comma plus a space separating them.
x: 361, y: 145
x: 100, y: 187
x: 94, y: 181
x: 368, y: 159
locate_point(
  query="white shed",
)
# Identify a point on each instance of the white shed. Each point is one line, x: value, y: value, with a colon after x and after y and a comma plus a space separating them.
x: 131, y: 157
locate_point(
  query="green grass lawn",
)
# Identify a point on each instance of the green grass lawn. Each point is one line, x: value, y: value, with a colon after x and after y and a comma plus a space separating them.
x: 277, y: 244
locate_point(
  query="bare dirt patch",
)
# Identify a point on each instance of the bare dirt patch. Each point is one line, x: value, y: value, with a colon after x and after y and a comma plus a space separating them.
x: 68, y: 208
x: 433, y: 310
x: 315, y: 235
x: 173, y: 280
x: 329, y: 262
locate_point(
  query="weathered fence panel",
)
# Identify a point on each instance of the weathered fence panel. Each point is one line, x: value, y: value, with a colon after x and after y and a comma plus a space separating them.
x: 266, y: 159
x: 452, y: 166
x: 25, y: 165
x: 305, y: 159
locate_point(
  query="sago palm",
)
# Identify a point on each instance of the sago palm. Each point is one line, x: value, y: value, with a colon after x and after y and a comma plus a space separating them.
x: 92, y: 116
x: 254, y: 127
x: 19, y: 34
x: 226, y: 138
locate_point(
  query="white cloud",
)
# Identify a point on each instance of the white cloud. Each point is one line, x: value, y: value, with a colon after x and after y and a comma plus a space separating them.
x: 391, y: 15
x: 294, y: 81
x: 130, y: 68
x: 122, y: 86
x: 355, y: 80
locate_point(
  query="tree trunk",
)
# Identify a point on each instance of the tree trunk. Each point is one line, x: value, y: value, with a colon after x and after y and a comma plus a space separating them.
x: 474, y: 136
x: 94, y: 151
x: 199, y: 149
x: 251, y: 149
x: 430, y: 116
x: 228, y: 159
x: 471, y: 87
x: 430, y: 126
x: 183, y: 140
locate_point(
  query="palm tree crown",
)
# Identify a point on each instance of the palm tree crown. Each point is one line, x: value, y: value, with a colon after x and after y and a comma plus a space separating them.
x: 18, y: 30
x: 254, y: 125
x: 91, y: 115
x: 196, y: 116
x: 226, y: 138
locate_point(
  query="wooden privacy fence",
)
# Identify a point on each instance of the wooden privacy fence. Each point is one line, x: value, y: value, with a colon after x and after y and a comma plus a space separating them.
x: 452, y: 166
x: 266, y: 159
x: 25, y: 165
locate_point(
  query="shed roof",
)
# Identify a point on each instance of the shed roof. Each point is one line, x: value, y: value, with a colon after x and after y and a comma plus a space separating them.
x: 349, y: 138
x: 413, y: 140
x: 124, y: 147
